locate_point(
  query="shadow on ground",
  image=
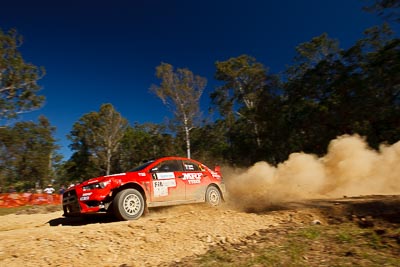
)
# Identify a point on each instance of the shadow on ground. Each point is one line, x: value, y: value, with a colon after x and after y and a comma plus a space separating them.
x: 83, y: 220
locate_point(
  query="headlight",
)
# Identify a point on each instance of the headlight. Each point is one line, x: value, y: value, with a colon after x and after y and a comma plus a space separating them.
x: 95, y: 186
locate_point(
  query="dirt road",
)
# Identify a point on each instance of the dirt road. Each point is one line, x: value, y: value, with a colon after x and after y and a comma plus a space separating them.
x: 165, y: 236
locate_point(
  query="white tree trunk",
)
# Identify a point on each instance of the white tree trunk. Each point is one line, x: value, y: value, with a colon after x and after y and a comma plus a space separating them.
x: 187, y: 141
x: 108, y: 161
x: 187, y: 135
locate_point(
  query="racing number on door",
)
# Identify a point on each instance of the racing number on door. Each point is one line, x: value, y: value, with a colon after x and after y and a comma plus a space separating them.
x: 165, y: 185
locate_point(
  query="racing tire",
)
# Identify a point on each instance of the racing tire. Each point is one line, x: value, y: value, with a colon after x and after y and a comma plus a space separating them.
x: 128, y: 205
x: 213, y: 196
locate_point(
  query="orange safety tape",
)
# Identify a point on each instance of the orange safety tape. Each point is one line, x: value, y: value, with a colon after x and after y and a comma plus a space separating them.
x: 10, y: 200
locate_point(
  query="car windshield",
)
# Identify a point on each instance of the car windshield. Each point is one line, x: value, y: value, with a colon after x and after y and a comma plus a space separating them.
x: 141, y: 167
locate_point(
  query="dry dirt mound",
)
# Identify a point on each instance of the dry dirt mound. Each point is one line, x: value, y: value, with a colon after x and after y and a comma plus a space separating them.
x: 170, y: 236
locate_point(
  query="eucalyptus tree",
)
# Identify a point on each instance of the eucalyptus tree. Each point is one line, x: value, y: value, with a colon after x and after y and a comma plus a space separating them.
x: 180, y: 90
x: 28, y: 154
x: 379, y: 91
x: 388, y: 9
x: 244, y: 79
x: 18, y: 79
x: 309, y: 82
x: 337, y: 92
x: 310, y: 54
x: 95, y: 138
x: 209, y: 143
x: 143, y: 142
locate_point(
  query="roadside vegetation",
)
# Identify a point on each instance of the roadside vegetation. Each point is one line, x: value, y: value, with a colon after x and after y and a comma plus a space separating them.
x: 6, y: 211
x: 29, y: 209
x: 316, y: 245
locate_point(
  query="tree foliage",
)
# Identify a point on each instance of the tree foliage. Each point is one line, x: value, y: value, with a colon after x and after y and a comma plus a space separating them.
x: 95, y: 140
x: 389, y: 9
x: 27, y: 154
x: 350, y: 91
x: 245, y: 82
x: 309, y: 54
x: 18, y: 79
x: 180, y: 90
x: 327, y: 91
x: 244, y: 78
x: 142, y: 142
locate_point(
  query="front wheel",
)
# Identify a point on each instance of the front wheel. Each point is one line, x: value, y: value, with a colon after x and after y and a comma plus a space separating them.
x: 128, y: 204
x: 213, y: 196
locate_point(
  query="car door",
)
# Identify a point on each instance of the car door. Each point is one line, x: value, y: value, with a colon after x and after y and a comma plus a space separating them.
x: 195, y: 180
x: 166, y: 186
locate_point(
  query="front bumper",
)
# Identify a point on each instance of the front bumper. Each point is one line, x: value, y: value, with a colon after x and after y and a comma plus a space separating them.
x: 73, y: 203
x: 70, y: 203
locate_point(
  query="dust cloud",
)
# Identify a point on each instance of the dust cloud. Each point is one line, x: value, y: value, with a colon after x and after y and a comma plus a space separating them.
x: 350, y: 168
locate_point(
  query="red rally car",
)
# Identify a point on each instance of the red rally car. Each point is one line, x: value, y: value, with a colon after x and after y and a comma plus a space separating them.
x: 161, y: 182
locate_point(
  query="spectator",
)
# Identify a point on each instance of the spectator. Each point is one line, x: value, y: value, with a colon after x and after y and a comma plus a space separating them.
x: 49, y: 190
x: 61, y: 190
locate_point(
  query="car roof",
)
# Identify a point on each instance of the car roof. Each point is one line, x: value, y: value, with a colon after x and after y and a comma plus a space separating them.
x: 173, y: 158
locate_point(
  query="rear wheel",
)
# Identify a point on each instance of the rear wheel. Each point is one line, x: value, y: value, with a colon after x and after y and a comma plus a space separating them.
x: 213, y: 196
x: 128, y: 204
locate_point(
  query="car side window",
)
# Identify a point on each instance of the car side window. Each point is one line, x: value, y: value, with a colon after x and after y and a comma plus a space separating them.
x: 189, y: 166
x: 167, y: 166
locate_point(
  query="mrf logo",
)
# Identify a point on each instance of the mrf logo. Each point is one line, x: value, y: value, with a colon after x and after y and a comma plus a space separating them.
x: 192, y: 178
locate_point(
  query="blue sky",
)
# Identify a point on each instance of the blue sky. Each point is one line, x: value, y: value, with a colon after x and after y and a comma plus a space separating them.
x: 99, y: 52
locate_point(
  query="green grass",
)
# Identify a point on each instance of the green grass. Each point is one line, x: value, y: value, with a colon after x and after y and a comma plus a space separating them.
x: 344, y: 237
x: 310, y: 233
x: 29, y: 209
x: 6, y: 211
x: 338, y: 245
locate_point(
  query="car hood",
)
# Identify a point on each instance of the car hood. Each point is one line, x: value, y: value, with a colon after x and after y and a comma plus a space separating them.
x: 101, y: 179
